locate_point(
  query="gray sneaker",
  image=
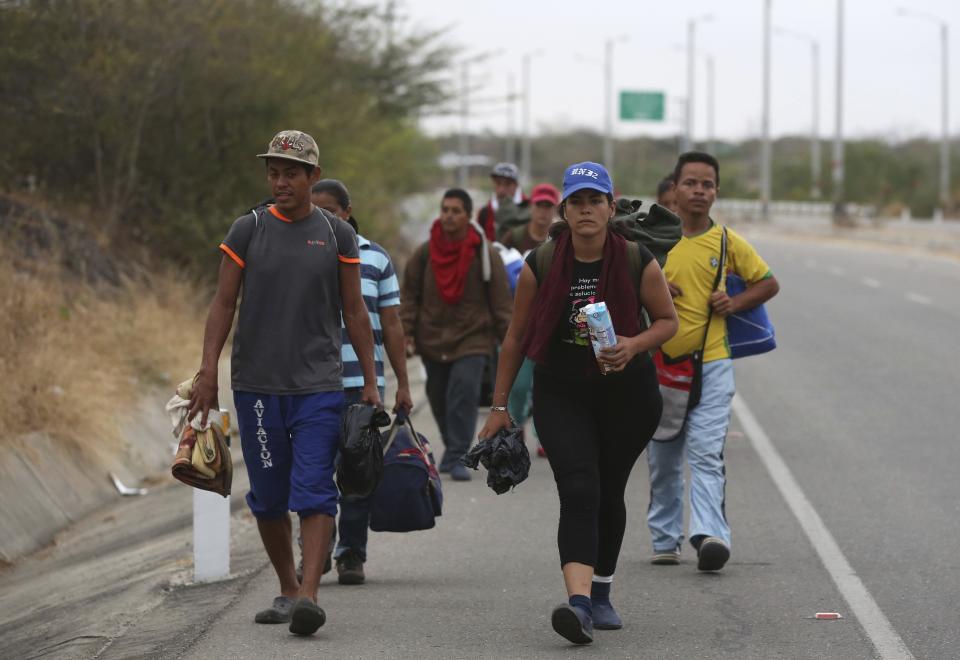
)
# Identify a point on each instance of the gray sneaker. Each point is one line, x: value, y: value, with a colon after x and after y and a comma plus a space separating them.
x: 279, y: 612
x: 666, y: 557
x: 460, y: 473
x: 712, y: 554
x: 306, y: 617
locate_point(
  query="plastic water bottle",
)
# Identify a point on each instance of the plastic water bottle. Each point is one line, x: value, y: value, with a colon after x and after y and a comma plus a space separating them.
x: 600, y: 326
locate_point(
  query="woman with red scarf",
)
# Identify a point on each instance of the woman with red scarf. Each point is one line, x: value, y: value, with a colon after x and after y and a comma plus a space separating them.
x: 593, y: 426
x: 455, y: 307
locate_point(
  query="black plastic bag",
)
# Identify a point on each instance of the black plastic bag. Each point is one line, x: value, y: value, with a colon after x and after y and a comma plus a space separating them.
x: 505, y: 456
x: 361, y: 449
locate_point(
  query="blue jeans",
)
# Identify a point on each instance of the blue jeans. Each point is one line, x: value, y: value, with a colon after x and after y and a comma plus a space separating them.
x: 354, y: 510
x: 702, y: 443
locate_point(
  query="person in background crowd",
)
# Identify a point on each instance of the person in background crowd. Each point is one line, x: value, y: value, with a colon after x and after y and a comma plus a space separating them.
x: 544, y: 201
x: 594, y: 424
x: 691, y: 269
x: 300, y: 270
x: 666, y: 197
x: 506, y: 186
x: 455, y: 308
x: 381, y: 295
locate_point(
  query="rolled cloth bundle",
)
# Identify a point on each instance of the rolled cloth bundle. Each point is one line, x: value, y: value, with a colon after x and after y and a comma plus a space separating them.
x: 505, y: 456
x: 203, y: 458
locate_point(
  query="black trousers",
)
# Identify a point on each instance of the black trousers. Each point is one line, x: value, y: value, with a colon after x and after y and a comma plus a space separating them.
x: 453, y: 390
x: 593, y: 430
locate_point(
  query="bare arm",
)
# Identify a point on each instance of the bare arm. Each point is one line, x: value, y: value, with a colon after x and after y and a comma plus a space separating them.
x: 219, y: 319
x: 357, y: 321
x: 663, y: 320
x: 393, y: 342
x: 511, y: 356
x: 755, y: 294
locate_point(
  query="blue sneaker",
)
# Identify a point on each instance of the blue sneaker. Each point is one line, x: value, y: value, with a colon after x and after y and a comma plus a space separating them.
x: 605, y: 617
x: 573, y: 624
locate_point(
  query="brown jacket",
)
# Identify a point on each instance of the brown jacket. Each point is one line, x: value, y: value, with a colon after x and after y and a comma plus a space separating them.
x: 473, y: 326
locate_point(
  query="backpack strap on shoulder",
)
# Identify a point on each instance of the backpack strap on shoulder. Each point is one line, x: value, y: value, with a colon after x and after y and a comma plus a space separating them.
x: 545, y: 259
x: 636, y: 263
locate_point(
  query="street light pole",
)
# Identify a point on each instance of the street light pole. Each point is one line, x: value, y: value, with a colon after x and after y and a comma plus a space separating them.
x: 691, y: 59
x: 710, y: 105
x: 511, y: 150
x: 464, y: 114
x: 815, y: 122
x: 944, y: 102
x: 765, y: 155
x: 944, y: 120
x: 691, y: 49
x: 815, y: 157
x: 608, y: 101
x: 839, y: 212
x: 607, y: 105
x: 525, y: 83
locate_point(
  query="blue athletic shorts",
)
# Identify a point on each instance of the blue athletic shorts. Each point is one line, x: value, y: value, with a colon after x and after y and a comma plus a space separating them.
x: 289, y: 445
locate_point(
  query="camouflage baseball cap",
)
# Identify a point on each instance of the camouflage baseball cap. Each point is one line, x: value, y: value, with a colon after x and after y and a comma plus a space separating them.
x: 293, y: 145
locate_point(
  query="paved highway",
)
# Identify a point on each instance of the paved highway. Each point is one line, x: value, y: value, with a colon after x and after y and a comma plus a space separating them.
x: 842, y: 498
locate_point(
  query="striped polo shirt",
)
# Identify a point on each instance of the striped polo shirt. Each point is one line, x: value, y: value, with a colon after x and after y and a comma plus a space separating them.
x: 380, y: 288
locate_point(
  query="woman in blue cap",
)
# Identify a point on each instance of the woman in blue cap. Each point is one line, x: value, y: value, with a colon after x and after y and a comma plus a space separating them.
x: 593, y: 423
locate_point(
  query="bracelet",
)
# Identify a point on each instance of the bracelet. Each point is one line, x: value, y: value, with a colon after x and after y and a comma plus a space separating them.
x: 498, y: 409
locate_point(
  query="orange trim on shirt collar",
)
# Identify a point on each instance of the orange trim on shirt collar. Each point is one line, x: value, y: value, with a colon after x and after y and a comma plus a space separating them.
x: 278, y: 215
x: 233, y: 255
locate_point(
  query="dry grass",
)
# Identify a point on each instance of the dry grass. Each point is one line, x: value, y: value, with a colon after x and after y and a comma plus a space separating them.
x: 72, y: 357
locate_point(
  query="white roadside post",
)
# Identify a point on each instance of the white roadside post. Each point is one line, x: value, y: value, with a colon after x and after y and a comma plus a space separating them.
x: 211, y: 529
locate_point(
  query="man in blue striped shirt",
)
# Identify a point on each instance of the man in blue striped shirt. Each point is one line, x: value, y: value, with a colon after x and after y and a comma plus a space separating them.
x: 381, y: 294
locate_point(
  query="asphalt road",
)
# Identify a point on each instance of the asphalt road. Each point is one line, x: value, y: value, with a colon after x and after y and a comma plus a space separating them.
x: 859, y: 401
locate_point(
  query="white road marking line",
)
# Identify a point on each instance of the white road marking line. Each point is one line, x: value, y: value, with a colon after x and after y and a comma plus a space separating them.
x: 918, y: 298
x: 870, y: 282
x: 836, y: 270
x: 875, y: 624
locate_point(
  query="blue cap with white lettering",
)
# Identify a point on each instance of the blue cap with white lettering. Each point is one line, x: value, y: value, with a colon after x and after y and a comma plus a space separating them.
x: 586, y: 175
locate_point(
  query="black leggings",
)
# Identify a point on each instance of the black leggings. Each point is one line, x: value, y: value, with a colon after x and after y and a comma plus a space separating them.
x: 593, y: 431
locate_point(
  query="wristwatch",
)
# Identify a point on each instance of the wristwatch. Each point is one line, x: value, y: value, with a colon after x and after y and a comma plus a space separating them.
x: 498, y: 409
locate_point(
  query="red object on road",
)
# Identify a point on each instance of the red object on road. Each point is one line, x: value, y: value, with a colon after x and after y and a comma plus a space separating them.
x: 827, y: 616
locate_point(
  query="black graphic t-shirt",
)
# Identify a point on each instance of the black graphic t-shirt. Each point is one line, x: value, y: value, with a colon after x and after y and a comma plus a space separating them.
x: 570, y: 349
x: 571, y: 354
x: 583, y: 291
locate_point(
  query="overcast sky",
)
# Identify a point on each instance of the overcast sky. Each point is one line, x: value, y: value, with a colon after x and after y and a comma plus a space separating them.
x: 892, y: 68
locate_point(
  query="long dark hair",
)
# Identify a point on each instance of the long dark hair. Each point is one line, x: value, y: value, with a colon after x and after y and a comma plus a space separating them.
x: 336, y: 189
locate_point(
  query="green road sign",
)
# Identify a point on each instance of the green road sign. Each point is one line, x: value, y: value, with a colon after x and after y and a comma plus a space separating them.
x: 641, y: 106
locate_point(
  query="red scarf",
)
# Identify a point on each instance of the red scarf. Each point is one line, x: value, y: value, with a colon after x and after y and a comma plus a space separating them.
x: 553, y: 293
x: 450, y: 261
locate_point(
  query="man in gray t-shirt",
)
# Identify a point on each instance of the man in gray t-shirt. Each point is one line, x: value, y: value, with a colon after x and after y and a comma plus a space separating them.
x: 299, y: 270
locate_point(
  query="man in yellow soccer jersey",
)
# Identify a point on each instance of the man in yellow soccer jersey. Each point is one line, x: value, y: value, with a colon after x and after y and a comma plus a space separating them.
x: 691, y: 269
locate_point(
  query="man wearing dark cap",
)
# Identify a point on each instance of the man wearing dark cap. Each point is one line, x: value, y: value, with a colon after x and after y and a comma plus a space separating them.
x: 299, y: 269
x: 506, y: 186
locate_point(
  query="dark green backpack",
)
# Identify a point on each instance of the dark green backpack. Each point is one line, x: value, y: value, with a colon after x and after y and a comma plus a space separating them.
x: 658, y: 230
